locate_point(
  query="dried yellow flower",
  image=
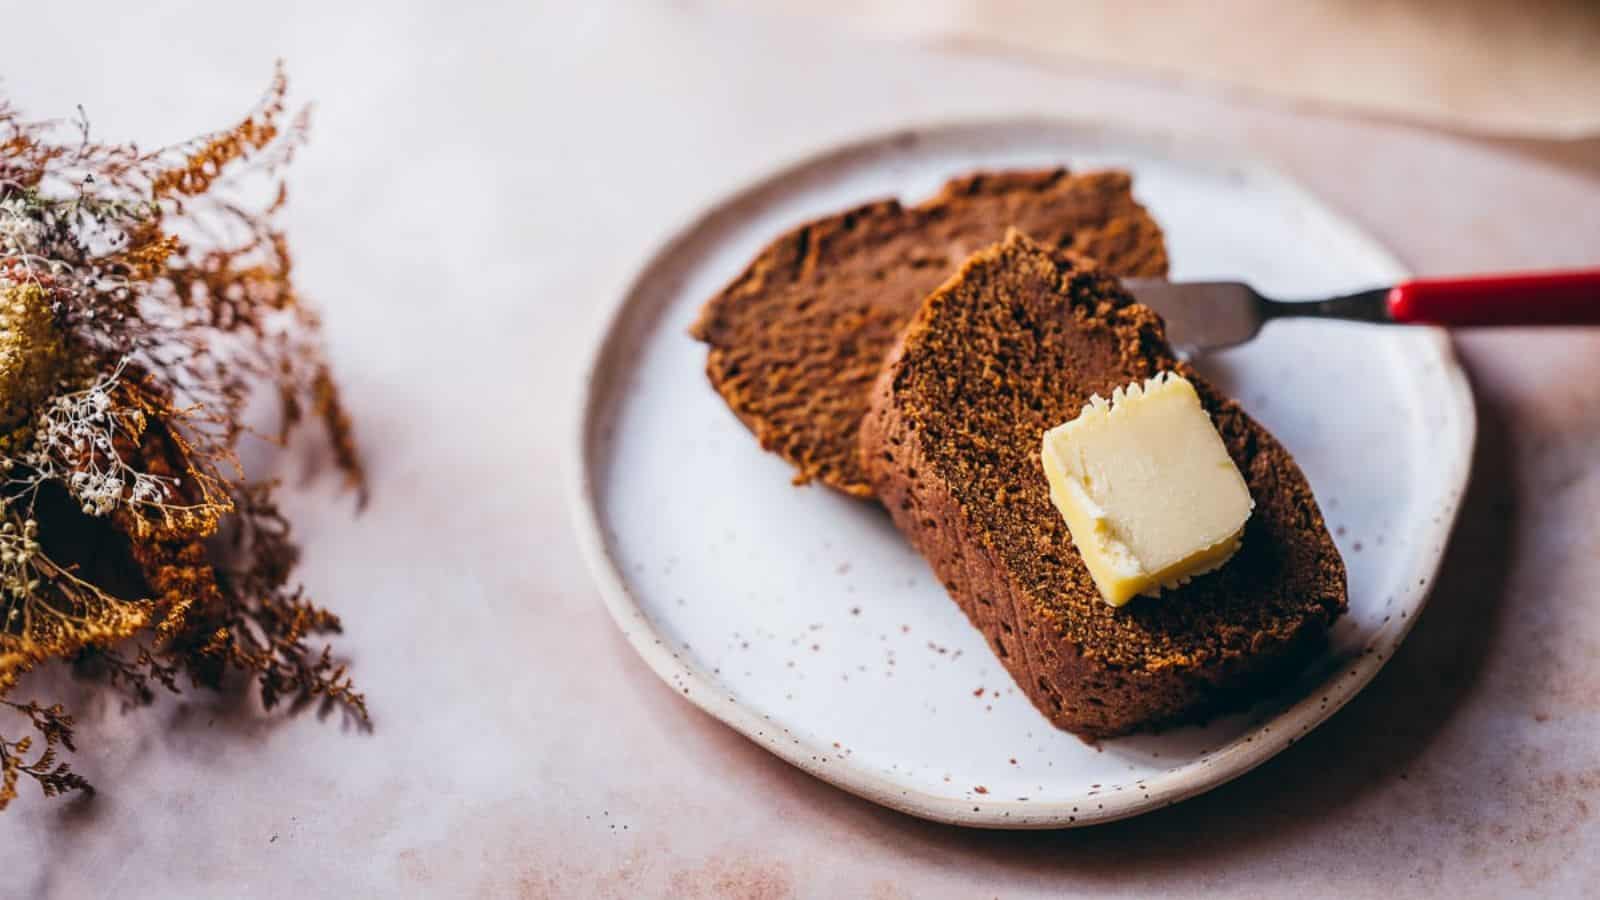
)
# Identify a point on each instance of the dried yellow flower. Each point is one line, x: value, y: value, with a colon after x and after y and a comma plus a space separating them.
x: 32, y: 356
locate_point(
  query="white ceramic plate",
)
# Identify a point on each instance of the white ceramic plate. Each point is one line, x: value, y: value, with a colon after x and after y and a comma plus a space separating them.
x: 800, y: 617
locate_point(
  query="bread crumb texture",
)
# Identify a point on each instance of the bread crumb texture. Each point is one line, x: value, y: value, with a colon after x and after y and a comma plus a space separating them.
x: 1013, y: 345
x: 797, y: 339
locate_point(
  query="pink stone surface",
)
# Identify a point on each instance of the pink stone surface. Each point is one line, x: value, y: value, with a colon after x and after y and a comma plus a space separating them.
x: 480, y: 183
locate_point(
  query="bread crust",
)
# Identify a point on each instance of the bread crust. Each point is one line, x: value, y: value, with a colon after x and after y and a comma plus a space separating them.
x: 950, y: 446
x: 796, y: 340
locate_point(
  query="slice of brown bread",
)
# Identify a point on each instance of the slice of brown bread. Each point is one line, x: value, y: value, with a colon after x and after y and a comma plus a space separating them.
x: 797, y: 339
x: 1015, y: 343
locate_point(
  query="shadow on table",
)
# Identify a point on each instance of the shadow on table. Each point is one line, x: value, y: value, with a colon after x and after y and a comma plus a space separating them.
x: 170, y: 723
x: 1580, y: 156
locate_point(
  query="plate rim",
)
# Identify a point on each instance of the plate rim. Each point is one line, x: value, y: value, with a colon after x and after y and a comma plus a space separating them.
x: 1214, y: 768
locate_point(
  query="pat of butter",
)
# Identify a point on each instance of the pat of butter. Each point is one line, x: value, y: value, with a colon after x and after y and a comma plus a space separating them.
x: 1147, y: 488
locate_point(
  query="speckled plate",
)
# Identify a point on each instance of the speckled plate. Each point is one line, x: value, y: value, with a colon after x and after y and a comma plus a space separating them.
x: 800, y: 617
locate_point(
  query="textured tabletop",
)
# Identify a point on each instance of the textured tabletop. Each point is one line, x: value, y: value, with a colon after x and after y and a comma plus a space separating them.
x: 478, y: 187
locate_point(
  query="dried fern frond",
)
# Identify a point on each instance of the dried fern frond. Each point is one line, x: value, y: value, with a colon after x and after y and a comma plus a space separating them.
x: 53, y: 777
x: 47, y: 611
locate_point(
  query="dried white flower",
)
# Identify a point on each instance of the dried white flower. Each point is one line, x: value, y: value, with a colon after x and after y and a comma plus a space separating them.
x: 74, y: 444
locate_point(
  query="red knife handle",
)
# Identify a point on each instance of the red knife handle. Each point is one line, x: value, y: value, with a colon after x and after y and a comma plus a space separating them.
x: 1545, y: 298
